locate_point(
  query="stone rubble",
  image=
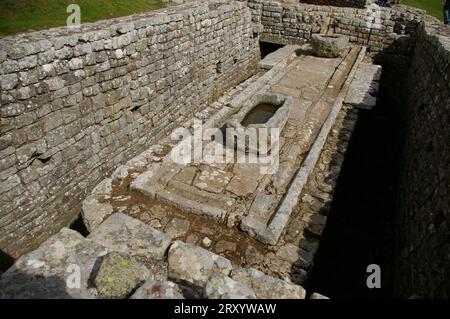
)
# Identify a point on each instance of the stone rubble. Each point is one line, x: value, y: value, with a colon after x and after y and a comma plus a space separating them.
x: 108, y: 273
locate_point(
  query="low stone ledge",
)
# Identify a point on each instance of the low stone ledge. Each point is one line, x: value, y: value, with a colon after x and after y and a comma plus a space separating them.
x: 95, y: 207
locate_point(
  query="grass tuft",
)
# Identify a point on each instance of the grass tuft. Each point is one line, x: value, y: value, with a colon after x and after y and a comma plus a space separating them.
x: 433, y: 7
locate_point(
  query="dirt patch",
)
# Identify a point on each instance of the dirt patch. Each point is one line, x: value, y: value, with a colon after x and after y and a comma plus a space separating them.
x: 231, y: 243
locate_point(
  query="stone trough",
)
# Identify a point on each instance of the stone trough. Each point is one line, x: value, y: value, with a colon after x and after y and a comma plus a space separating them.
x: 329, y: 46
x: 247, y: 123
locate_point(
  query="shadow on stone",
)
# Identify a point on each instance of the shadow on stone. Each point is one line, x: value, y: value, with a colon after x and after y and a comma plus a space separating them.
x: 189, y: 290
x: 20, y: 285
x: 360, y: 225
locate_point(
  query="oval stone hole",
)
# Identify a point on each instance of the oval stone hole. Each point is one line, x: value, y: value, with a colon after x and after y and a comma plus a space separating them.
x: 260, y: 114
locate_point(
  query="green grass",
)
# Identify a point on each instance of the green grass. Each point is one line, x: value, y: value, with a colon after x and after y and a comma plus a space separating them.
x: 433, y: 7
x: 26, y: 15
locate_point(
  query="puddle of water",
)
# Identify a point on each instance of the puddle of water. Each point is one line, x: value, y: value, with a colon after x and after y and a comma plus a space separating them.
x: 260, y: 114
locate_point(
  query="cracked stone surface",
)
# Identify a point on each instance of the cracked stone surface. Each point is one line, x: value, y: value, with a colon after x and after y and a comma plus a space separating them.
x: 267, y: 287
x: 128, y: 235
x: 242, y: 186
x: 212, y: 180
x: 153, y: 289
x: 220, y: 286
x: 194, y: 264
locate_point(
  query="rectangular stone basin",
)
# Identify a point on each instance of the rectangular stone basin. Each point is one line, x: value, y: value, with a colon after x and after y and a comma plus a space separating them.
x: 265, y: 112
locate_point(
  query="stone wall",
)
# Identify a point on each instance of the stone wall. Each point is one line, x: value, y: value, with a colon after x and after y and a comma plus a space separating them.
x: 389, y: 32
x: 423, y: 255
x: 76, y: 103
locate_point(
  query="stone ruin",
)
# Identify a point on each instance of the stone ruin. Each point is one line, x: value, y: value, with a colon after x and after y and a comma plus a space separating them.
x: 90, y: 121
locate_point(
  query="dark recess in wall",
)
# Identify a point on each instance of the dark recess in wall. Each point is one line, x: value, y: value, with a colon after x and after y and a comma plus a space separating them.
x: 266, y: 48
x: 79, y: 226
x: 6, y: 261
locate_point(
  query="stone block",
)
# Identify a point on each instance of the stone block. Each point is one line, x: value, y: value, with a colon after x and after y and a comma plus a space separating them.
x: 128, y: 235
x: 267, y: 287
x: 195, y: 264
x: 220, y: 286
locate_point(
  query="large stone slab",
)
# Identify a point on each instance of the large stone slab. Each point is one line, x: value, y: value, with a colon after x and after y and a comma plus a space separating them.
x: 131, y: 236
x: 242, y: 186
x: 365, y: 85
x: 45, y: 272
x: 267, y: 287
x: 220, y: 286
x: 96, y: 207
x: 255, y: 222
x: 212, y: 179
x: 195, y: 264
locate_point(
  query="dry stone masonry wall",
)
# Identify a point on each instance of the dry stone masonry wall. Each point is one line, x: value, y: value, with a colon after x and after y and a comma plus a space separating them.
x: 423, y: 261
x: 392, y: 32
x: 75, y: 104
